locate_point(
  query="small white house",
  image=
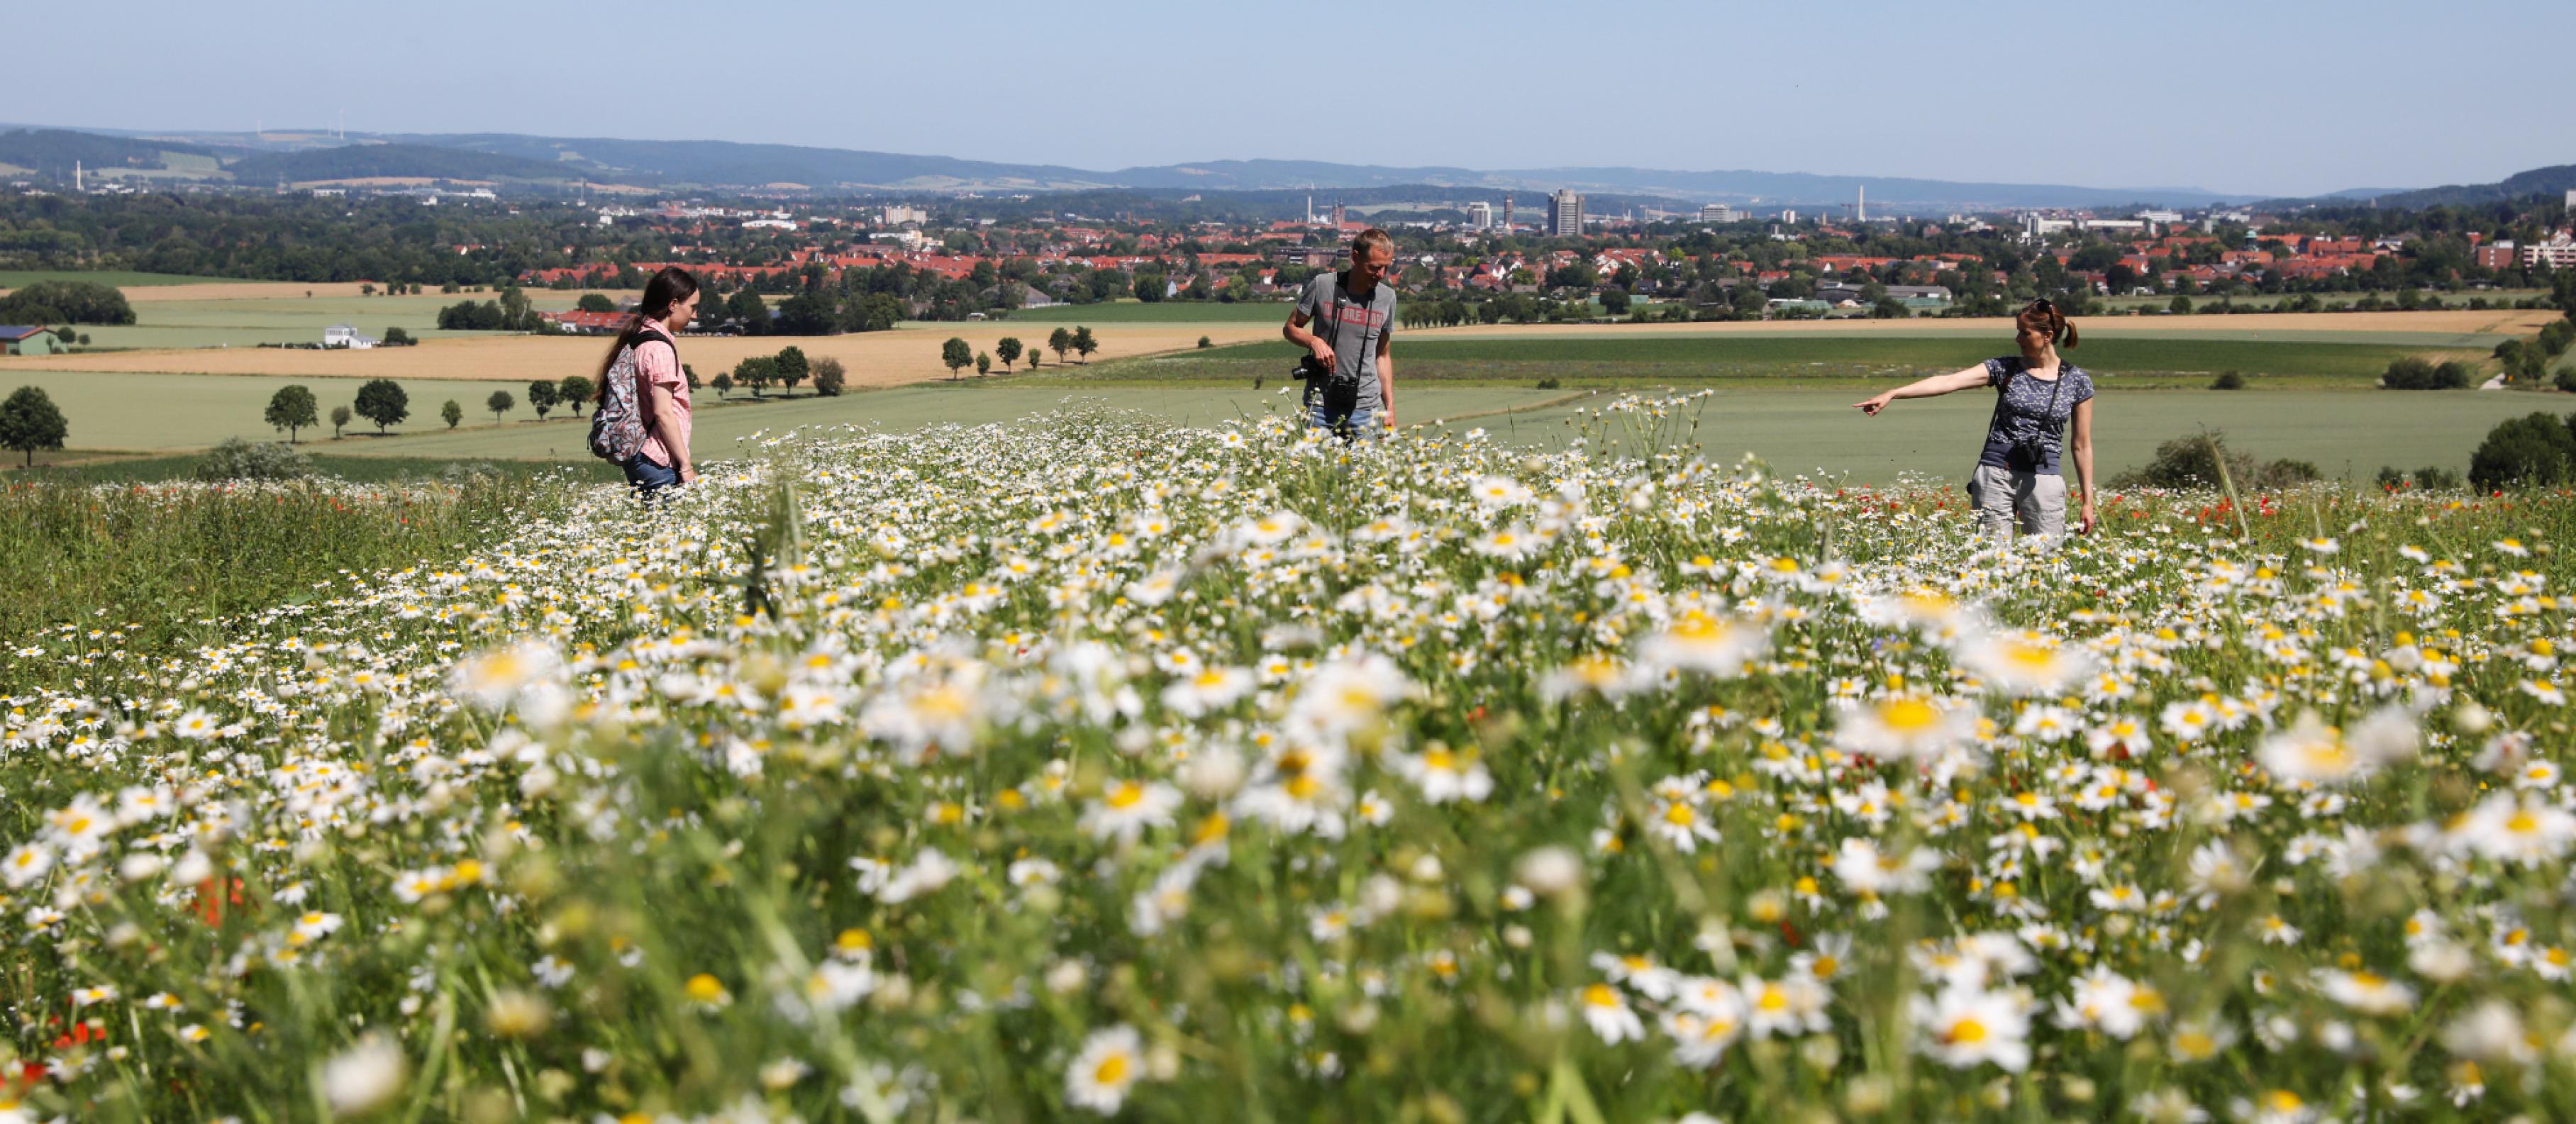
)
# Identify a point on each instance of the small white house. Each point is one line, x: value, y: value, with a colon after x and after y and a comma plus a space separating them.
x: 343, y: 336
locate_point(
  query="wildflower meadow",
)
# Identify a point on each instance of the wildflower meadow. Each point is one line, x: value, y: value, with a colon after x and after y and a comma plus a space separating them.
x: 1090, y: 768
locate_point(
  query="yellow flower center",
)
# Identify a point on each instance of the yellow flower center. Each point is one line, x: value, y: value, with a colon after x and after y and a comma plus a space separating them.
x: 1111, y: 1071
x: 1909, y: 716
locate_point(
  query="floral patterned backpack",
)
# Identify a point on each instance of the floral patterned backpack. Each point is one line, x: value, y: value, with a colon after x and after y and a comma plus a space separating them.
x: 617, y: 427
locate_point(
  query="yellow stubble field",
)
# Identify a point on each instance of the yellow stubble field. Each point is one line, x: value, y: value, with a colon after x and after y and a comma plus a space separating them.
x: 874, y: 359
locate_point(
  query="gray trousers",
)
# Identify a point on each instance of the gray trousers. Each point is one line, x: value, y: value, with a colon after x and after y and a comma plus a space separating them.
x: 2004, y: 497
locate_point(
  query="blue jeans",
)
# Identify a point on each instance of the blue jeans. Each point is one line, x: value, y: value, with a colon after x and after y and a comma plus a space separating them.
x: 1337, y: 408
x: 647, y: 477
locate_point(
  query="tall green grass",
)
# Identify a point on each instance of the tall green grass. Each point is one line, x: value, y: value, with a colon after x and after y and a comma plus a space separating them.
x: 151, y: 567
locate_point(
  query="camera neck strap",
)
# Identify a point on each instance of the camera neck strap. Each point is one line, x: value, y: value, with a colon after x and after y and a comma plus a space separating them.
x: 2047, y: 417
x: 1369, y: 329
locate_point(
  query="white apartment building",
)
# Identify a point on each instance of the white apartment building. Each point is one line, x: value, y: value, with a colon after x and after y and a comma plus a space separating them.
x: 1717, y: 212
x: 1480, y: 216
x: 2035, y: 226
x: 2557, y: 253
x: 1565, y: 213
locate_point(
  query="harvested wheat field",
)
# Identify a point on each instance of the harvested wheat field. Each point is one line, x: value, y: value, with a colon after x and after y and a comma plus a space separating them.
x: 2494, y: 321
x: 241, y: 291
x: 874, y: 359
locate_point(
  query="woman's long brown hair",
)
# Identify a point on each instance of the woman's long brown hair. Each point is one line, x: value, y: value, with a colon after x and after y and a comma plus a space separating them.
x: 669, y: 287
x: 2042, y: 315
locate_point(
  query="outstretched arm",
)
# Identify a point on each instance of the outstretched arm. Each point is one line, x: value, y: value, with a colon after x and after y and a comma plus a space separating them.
x: 1933, y: 387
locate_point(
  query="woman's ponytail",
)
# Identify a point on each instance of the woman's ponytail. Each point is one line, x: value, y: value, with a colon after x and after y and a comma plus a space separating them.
x: 667, y: 288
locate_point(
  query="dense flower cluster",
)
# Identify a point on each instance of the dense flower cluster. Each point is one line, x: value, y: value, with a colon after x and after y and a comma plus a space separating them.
x: 1092, y: 767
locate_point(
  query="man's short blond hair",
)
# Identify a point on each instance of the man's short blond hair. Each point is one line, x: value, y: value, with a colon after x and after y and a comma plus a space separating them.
x: 1370, y: 239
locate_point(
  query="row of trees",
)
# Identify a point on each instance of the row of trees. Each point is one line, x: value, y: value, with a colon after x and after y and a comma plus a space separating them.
x: 510, y: 312
x: 957, y: 354
x: 785, y: 369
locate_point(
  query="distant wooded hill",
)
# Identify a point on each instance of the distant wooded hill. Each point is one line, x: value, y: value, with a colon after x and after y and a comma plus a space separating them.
x: 365, y: 161
x: 53, y: 151
x: 2551, y: 182
x: 276, y: 157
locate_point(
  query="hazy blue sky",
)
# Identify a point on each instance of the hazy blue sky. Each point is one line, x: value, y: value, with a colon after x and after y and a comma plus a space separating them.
x: 2243, y: 96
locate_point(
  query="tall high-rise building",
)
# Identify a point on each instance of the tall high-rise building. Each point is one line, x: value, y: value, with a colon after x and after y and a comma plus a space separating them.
x: 1507, y: 214
x: 1717, y: 212
x: 1480, y: 215
x: 1565, y: 213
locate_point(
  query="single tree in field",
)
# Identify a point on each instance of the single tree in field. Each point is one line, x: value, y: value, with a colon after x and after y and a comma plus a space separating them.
x: 756, y: 372
x: 574, y: 391
x: 1007, y: 349
x: 956, y: 355
x: 792, y: 367
x: 1034, y: 352
x: 292, y: 408
x: 397, y: 337
x: 451, y: 413
x: 830, y: 376
x: 340, y: 416
x: 541, y: 397
x: 499, y: 403
x: 383, y: 402
x: 983, y: 364
x: 1083, y: 344
x: 1059, y: 341
x: 29, y: 421
x: 723, y: 383
x: 594, y: 302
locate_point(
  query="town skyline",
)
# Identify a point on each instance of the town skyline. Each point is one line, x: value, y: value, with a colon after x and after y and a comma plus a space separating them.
x: 1883, y: 93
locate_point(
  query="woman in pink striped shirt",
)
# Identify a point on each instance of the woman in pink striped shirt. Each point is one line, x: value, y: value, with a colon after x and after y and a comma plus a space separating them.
x: 670, y: 303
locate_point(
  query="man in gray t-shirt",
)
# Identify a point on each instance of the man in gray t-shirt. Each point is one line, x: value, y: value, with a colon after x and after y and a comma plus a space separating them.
x: 1350, y: 382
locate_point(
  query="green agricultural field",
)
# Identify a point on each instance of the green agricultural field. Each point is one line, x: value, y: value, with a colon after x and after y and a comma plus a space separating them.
x: 1855, y: 360
x: 248, y: 323
x: 719, y: 427
x: 142, y: 413
x: 2345, y: 435
x: 1165, y: 312
x: 121, y: 278
x: 1796, y: 429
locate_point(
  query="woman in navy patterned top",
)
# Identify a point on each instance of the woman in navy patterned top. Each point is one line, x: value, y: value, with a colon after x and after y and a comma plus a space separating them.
x: 2017, y: 479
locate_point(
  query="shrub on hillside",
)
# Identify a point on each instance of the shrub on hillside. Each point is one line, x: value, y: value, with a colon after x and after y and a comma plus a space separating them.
x: 2228, y: 380
x: 2556, y: 336
x: 2535, y: 450
x: 2432, y: 478
x: 830, y: 376
x: 237, y: 459
x: 2416, y: 373
x: 2193, y: 462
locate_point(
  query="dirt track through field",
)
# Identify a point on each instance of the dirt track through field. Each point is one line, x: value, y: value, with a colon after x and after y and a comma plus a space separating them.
x: 874, y: 359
